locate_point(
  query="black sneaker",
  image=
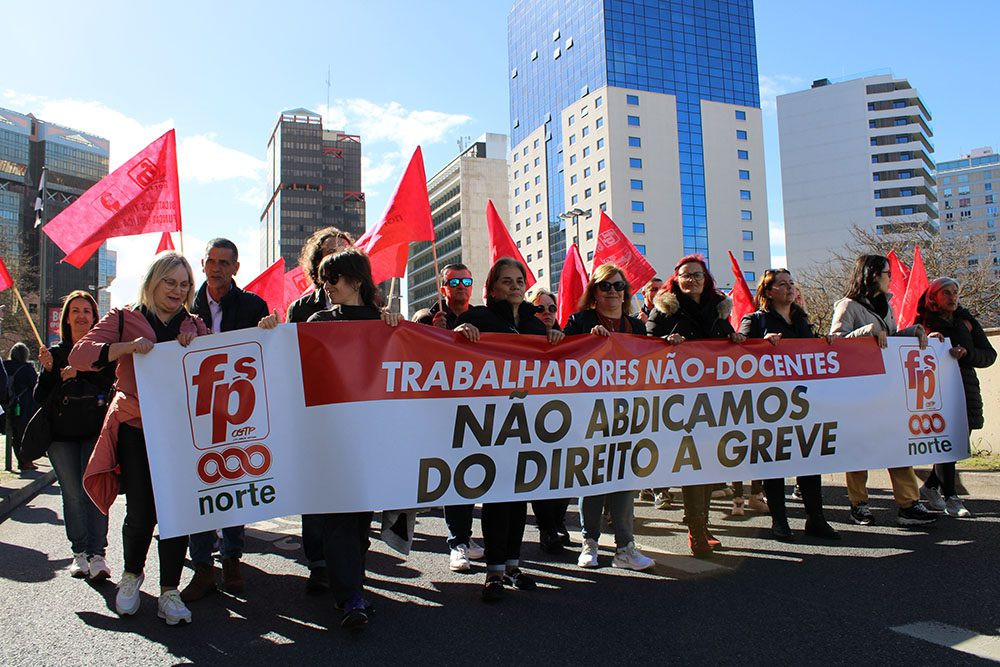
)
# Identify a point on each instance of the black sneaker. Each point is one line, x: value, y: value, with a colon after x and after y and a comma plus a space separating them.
x: 356, y: 613
x: 915, y: 515
x: 493, y: 588
x: 862, y: 515
x: 819, y: 527
x: 519, y: 580
x: 318, y: 582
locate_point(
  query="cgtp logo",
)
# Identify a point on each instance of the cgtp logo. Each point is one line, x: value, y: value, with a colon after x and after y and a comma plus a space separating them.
x: 227, y: 395
x: 232, y: 463
x: 920, y: 377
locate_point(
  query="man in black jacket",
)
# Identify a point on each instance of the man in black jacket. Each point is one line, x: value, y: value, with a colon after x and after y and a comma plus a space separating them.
x: 224, y: 307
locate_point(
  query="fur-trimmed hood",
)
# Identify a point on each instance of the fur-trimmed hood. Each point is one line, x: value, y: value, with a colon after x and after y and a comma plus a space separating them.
x: 667, y: 303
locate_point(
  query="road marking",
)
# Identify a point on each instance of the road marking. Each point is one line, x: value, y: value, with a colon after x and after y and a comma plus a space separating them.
x: 960, y: 639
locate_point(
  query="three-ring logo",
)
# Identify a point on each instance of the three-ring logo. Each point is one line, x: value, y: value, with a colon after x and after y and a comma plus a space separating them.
x: 927, y: 423
x: 234, y: 463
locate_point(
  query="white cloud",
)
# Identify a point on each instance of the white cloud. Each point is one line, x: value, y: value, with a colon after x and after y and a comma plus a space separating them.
x: 776, y: 232
x: 202, y: 159
x: 772, y: 85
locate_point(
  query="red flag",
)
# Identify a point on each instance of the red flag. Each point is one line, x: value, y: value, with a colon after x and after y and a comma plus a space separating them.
x: 897, y: 284
x: 138, y: 197
x: 916, y: 285
x: 297, y: 284
x: 572, y: 284
x: 501, y: 244
x: 741, y: 295
x: 407, y: 219
x: 166, y: 243
x: 615, y: 248
x: 270, y: 286
x: 5, y: 279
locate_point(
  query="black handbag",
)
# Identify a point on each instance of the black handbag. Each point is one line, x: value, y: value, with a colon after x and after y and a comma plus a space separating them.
x: 77, y: 409
x: 37, y: 435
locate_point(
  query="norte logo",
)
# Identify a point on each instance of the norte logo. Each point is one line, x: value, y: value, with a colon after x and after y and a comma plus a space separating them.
x: 233, y: 463
x: 227, y: 395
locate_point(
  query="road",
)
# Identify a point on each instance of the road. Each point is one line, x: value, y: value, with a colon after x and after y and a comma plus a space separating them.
x: 881, y: 595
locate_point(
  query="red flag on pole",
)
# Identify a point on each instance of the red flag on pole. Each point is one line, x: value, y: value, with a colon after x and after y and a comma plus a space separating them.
x: 5, y: 279
x: 407, y: 219
x: 916, y: 284
x: 501, y: 244
x: 297, y: 284
x: 741, y: 295
x: 615, y: 248
x: 166, y: 243
x: 572, y: 284
x: 138, y: 197
x: 270, y: 286
x: 897, y: 284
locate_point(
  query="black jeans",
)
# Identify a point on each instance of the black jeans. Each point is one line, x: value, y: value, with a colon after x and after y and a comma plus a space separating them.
x: 697, y: 499
x: 503, y: 531
x: 140, y: 512
x: 312, y: 540
x: 345, y: 545
x: 756, y: 486
x: 812, y: 496
x: 943, y: 476
x: 550, y: 515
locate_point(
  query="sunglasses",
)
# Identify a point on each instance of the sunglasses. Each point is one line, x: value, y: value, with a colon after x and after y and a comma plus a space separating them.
x: 550, y: 308
x: 455, y: 282
x: 605, y: 286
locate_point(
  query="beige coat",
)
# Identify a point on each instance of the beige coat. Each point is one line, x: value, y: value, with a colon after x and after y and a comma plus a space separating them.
x: 852, y: 320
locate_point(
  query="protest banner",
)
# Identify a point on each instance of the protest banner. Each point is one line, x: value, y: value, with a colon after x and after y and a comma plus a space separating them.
x: 348, y: 416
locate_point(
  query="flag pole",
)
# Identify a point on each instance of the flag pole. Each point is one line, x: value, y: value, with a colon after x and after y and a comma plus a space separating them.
x: 180, y: 232
x: 437, y: 272
x: 34, y: 329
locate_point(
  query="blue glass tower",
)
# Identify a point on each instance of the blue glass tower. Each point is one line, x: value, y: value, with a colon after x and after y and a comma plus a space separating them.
x: 693, y: 49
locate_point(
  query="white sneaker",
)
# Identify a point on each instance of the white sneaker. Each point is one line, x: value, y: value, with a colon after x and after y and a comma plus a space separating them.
x: 98, y: 568
x: 588, y: 554
x: 758, y: 503
x: 460, y: 559
x: 475, y: 551
x: 630, y: 558
x: 955, y: 507
x: 127, y: 601
x: 932, y: 498
x: 80, y: 567
x: 171, y: 608
x: 738, y: 506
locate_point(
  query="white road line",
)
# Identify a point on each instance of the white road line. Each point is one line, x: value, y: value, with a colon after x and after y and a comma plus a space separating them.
x: 960, y: 639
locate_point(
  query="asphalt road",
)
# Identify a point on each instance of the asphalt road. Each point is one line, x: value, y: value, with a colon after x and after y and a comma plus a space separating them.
x: 756, y: 602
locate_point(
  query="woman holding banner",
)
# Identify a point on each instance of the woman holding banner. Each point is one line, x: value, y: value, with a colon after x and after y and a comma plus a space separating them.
x: 77, y: 402
x: 778, y: 317
x: 606, y: 308
x: 505, y: 311
x: 940, y: 312
x: 865, y: 310
x: 688, y: 307
x: 162, y: 314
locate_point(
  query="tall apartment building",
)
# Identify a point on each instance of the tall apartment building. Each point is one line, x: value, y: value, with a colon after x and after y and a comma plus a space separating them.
x: 74, y: 161
x: 856, y: 152
x: 458, y: 195
x: 646, y: 109
x: 314, y: 177
x: 969, y: 204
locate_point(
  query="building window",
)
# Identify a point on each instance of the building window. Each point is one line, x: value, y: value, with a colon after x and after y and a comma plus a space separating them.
x: 538, y: 179
x: 529, y: 258
x: 632, y: 99
x: 745, y: 195
x: 987, y: 186
x: 963, y: 189
x: 635, y: 162
x: 590, y: 256
x: 517, y: 208
x: 638, y: 228
x: 515, y: 156
x: 599, y: 123
x: 744, y: 174
x: 743, y: 155
x: 540, y: 253
x: 518, y: 244
x: 635, y: 183
x: 741, y: 134
x: 538, y: 236
x: 602, y: 186
x: 572, y: 139
x: 746, y: 215
x: 748, y: 255
x: 538, y: 199
x: 641, y: 247
x: 633, y: 121
x: 590, y: 234
x: 538, y: 217
x: 747, y: 235
x: 989, y: 199
x: 604, y: 206
x: 517, y: 227
x: 638, y: 206
x: 572, y: 179
x: 574, y: 199
x: 541, y: 272
x: 586, y: 151
x: 598, y: 102
x: 964, y: 201
x: 750, y: 276
x: 600, y: 144
x: 586, y: 131
x: 572, y: 158
x: 741, y: 115
x: 586, y: 172
x: 517, y: 191
x: 600, y: 165
x: 634, y: 142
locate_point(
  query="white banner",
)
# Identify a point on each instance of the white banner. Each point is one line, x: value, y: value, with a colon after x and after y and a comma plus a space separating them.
x: 349, y: 416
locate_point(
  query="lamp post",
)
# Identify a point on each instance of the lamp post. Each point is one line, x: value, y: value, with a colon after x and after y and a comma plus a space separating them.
x: 574, y: 215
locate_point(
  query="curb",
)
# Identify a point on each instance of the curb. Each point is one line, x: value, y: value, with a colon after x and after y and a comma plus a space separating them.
x: 25, y: 494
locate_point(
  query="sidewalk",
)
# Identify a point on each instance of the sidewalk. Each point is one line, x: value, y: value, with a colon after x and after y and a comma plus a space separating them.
x: 18, y: 488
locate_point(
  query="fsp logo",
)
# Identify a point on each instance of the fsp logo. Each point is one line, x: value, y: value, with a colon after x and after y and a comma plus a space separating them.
x: 227, y: 395
x: 920, y: 377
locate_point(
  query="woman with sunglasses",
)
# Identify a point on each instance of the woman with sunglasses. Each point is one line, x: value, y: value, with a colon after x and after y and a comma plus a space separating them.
x: 547, y: 307
x: 505, y: 311
x: 606, y: 309
x: 778, y: 317
x: 688, y: 307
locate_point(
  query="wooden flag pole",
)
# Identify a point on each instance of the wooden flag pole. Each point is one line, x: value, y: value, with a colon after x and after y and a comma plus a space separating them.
x: 181, y: 233
x: 437, y: 272
x: 28, y: 315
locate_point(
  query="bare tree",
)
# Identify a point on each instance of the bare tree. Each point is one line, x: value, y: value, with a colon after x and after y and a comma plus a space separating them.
x: 15, y: 326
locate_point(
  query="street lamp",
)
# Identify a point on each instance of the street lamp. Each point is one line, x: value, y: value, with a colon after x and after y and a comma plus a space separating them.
x: 574, y: 214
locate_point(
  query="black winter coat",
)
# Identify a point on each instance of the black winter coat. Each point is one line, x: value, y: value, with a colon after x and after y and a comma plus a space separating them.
x: 583, y: 321
x: 341, y: 313
x: 451, y: 319
x: 22, y: 379
x: 240, y: 309
x: 762, y: 322
x: 498, y: 317
x: 307, y: 306
x: 694, y: 321
x: 963, y: 330
x: 51, y: 380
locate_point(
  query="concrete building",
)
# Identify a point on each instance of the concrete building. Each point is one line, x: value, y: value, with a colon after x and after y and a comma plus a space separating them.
x: 458, y: 195
x: 74, y: 162
x: 646, y: 109
x: 968, y: 203
x: 856, y: 152
x: 314, y: 177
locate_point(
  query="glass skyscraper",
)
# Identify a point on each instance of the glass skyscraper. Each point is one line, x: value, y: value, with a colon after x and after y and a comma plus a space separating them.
x: 696, y: 51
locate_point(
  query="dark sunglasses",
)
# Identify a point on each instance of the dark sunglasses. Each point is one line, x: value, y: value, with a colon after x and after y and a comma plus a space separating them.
x: 332, y: 278
x: 455, y: 282
x: 551, y: 308
x: 605, y: 286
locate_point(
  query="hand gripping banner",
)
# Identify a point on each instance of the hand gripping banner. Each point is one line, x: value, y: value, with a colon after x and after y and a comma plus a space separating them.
x: 349, y: 416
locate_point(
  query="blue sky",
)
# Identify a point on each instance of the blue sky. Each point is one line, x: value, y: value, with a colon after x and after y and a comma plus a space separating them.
x: 405, y: 73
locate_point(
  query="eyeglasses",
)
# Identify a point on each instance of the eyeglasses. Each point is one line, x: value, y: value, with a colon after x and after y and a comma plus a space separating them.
x: 333, y: 278
x: 173, y: 284
x: 605, y: 286
x: 697, y: 276
x: 550, y: 308
x: 455, y: 282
